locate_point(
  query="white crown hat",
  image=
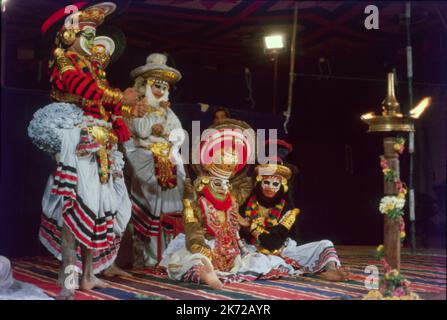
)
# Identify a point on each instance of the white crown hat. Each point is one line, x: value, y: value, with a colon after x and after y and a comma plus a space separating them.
x: 156, y: 68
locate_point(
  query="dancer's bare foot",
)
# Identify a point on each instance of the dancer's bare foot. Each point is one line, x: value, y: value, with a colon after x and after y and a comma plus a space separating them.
x: 89, y: 283
x: 208, y: 275
x: 346, y: 271
x: 66, y: 294
x: 115, y: 271
x: 335, y: 275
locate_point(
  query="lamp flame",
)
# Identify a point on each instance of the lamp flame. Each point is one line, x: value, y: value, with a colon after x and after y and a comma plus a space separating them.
x: 367, y: 116
x: 420, y: 108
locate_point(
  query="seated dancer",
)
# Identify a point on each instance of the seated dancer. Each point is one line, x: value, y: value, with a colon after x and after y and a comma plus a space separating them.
x: 211, y: 251
x: 156, y: 170
x: 241, y: 182
x: 271, y: 216
x: 85, y: 204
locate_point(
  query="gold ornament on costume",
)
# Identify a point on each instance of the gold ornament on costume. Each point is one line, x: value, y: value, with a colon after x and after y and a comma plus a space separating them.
x: 164, y: 168
x: 204, y: 181
x: 63, y: 63
x: 68, y: 37
x: 103, y: 136
x: 188, y: 212
x: 197, y: 248
x: 100, y: 54
x: 162, y: 74
x: 127, y: 111
x: 112, y: 96
x: 289, y: 218
x: 257, y: 230
x: 284, y: 184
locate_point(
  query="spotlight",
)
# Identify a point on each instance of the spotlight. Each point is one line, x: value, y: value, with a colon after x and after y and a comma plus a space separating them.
x: 274, y: 42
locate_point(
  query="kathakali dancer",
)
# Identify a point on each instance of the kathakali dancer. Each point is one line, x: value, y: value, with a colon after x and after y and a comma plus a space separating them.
x: 210, y: 251
x: 157, y: 173
x: 85, y: 204
x: 271, y: 218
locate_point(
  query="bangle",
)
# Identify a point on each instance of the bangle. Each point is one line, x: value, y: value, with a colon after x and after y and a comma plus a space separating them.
x: 62, y: 61
x: 112, y: 96
x: 197, y: 248
x: 289, y: 218
x: 127, y: 111
x: 256, y: 232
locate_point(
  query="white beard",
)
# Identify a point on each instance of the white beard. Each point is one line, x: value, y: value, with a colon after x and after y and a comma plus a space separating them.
x: 153, y: 101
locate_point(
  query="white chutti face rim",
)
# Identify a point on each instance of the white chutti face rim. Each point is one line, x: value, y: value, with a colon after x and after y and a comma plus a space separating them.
x: 84, y: 46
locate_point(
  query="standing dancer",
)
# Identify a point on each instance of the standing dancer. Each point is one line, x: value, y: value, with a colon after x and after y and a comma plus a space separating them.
x: 156, y: 169
x: 85, y: 204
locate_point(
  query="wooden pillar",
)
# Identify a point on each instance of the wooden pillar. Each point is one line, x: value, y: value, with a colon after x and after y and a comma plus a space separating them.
x: 391, y: 242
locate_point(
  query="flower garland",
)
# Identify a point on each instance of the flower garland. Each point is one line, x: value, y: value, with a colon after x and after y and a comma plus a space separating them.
x: 392, y: 207
x: 389, y: 173
x: 394, y: 286
x: 399, y: 145
x: 252, y: 211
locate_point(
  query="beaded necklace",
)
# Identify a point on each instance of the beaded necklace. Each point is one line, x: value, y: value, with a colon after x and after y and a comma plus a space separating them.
x: 252, y: 211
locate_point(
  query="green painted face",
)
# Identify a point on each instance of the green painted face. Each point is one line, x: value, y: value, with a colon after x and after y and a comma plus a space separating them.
x: 87, y: 39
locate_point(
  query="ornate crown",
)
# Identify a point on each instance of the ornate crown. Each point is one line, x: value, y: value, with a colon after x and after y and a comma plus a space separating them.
x: 224, y: 152
x: 93, y: 16
x: 156, y: 68
x: 271, y: 169
x: 223, y: 163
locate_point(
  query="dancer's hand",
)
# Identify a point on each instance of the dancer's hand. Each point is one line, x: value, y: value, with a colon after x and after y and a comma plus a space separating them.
x: 157, y: 130
x: 140, y: 109
x: 242, y: 221
x: 130, y: 97
x: 165, y: 104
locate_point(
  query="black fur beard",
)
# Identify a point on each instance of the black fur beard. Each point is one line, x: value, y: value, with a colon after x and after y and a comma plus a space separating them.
x: 268, y: 202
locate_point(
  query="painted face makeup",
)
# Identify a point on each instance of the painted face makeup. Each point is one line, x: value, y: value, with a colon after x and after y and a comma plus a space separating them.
x: 219, y: 186
x: 88, y: 35
x: 270, y: 185
x: 158, y: 89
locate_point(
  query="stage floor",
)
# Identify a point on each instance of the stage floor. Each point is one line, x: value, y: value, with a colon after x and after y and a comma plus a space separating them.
x: 426, y: 270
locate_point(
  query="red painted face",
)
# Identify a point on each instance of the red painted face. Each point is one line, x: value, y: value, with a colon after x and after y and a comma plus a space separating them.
x: 270, y: 185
